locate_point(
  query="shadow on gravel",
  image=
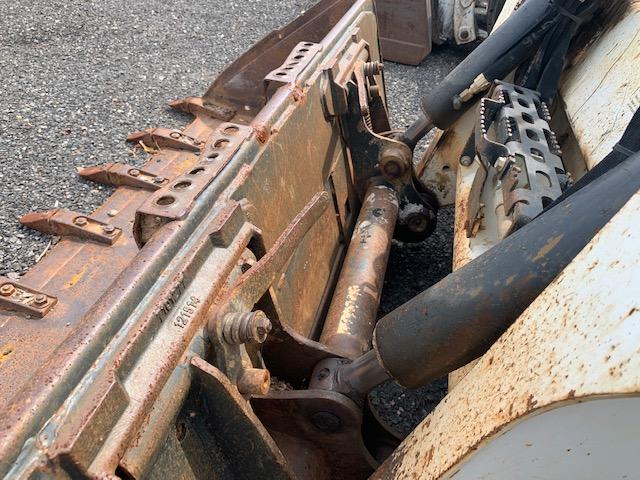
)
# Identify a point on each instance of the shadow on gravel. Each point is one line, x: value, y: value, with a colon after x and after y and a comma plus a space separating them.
x: 412, y: 269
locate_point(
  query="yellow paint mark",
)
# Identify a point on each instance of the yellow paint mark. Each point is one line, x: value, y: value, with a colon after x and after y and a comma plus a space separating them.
x: 77, y: 276
x: 552, y: 242
x: 5, y: 352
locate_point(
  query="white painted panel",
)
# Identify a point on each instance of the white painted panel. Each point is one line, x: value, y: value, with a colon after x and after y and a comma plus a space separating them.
x: 594, y: 440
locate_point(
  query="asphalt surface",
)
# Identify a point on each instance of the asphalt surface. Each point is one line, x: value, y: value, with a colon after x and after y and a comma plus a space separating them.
x: 77, y: 76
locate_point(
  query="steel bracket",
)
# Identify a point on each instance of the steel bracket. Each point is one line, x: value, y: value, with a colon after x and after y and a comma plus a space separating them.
x: 120, y: 174
x: 324, y: 423
x: 196, y: 106
x: 66, y: 223
x: 161, y: 137
x: 464, y: 21
x: 20, y: 298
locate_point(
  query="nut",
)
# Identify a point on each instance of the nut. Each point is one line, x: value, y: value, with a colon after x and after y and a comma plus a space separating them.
x: 158, y: 179
x: 40, y: 300
x: 134, y: 172
x: 466, y: 160
x: 372, y: 68
x: 80, y: 221
x: 7, y: 289
x: 395, y: 161
x: 417, y: 222
x: 108, y: 229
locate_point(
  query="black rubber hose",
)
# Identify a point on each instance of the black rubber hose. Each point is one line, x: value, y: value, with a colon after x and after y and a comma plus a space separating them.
x: 520, y: 52
x: 459, y: 318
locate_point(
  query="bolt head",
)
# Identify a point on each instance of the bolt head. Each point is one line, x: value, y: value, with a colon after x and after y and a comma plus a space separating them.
x: 108, y: 229
x: 326, y: 421
x: 134, y: 172
x: 80, y: 221
x: 158, y: 179
x: 261, y: 326
x: 7, y: 289
x: 417, y: 223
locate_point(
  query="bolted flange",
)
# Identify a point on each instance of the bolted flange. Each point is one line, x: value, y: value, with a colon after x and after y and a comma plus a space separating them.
x: 238, y: 328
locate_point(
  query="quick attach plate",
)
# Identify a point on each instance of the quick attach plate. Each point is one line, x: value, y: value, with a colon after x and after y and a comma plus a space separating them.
x: 513, y: 135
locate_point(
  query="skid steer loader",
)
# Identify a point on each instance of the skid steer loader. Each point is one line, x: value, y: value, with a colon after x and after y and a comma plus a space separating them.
x: 217, y: 317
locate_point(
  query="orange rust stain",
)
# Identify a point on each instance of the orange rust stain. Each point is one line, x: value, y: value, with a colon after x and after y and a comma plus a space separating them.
x: 298, y: 93
x: 551, y: 243
x: 262, y: 133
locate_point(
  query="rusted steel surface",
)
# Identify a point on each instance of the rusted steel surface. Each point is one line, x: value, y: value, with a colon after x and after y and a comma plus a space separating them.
x: 128, y: 321
x: 259, y: 277
x: 405, y: 30
x: 195, y: 106
x: 352, y: 314
x: 316, y: 423
x: 175, y: 200
x: 238, y: 430
x: 160, y: 137
x: 578, y: 349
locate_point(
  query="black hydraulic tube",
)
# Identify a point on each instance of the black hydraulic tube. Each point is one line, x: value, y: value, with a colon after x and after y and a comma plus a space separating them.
x: 459, y: 318
x: 417, y: 130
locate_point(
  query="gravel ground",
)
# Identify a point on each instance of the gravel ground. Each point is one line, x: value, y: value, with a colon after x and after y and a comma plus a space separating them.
x: 78, y: 76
